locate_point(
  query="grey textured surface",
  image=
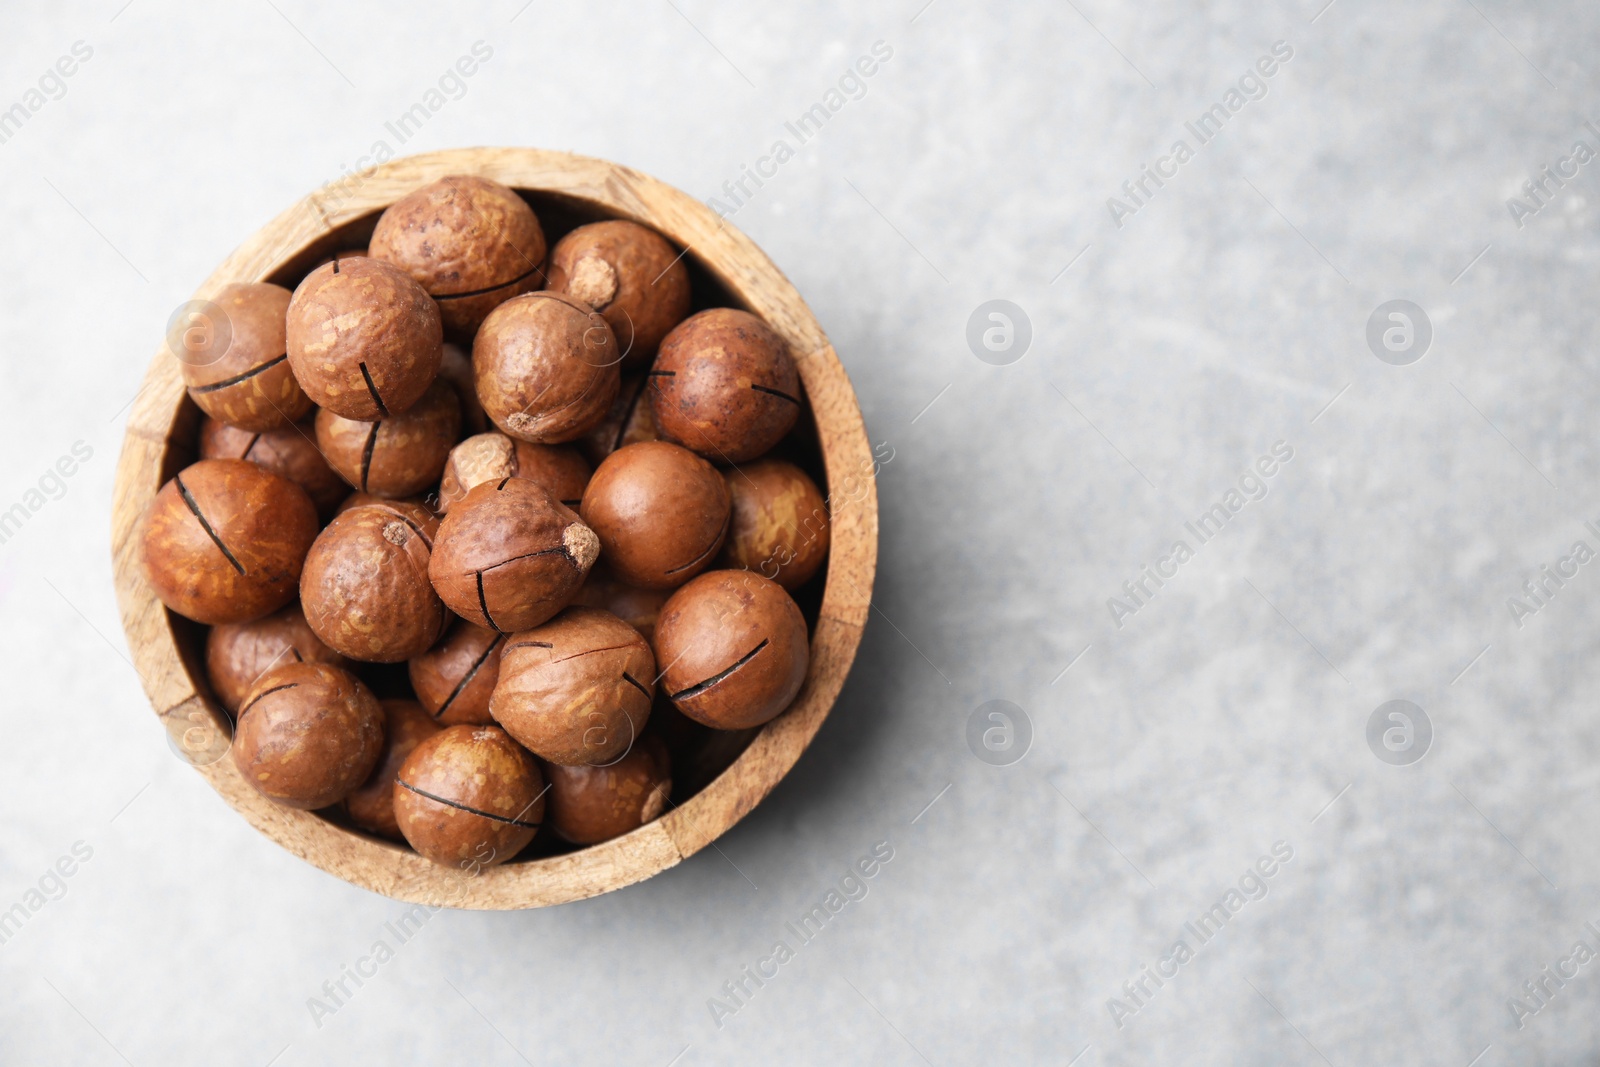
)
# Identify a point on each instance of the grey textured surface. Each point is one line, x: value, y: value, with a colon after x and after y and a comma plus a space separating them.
x: 1228, y: 714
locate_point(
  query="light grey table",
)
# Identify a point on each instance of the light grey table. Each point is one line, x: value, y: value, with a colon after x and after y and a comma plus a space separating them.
x: 1157, y: 348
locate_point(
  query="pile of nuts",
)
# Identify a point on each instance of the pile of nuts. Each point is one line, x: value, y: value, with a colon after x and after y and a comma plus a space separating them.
x: 564, y: 537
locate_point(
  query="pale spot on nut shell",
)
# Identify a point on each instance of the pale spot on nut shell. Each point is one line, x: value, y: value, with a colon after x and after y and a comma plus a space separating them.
x: 594, y: 281
x: 655, y: 802
x: 486, y: 457
x: 521, y: 422
x: 582, y: 544
x: 396, y: 533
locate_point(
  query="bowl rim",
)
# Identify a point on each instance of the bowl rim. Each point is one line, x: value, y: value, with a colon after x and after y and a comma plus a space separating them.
x: 183, y: 705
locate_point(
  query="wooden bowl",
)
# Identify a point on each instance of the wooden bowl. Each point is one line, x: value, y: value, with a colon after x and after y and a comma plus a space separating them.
x: 161, y: 439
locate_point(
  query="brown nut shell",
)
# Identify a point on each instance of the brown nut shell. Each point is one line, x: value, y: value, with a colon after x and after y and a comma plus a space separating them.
x: 593, y: 804
x: 365, y: 590
x: 469, y: 797
x: 237, y: 653
x: 509, y: 555
x: 248, y: 383
x: 546, y: 368
x: 779, y: 527
x: 725, y: 385
x: 736, y: 649
x: 289, y: 450
x: 455, y: 367
x: 455, y: 677
x: 364, y: 340
x: 634, y: 605
x: 225, y: 541
x: 396, y: 456
x: 308, y: 735
x: 471, y: 242
x: 661, y: 513
x: 630, y: 275
x: 371, y: 807
x: 628, y: 422
x: 488, y: 457
x: 577, y: 689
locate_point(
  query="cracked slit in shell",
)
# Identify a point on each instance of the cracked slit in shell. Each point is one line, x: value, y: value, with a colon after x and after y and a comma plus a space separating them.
x: 467, y: 808
x: 777, y: 393
x: 715, y: 544
x: 700, y: 687
x: 366, y: 454
x: 485, y: 292
x: 366, y: 376
x: 631, y: 680
x: 267, y: 693
x: 483, y: 606
x: 237, y: 378
x: 472, y: 673
x: 205, y: 524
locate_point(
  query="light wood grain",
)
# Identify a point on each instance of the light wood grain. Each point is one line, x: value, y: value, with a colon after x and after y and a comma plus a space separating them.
x: 159, y: 440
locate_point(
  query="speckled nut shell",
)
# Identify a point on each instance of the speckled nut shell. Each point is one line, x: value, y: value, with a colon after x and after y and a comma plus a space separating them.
x: 472, y: 243
x: 577, y: 689
x: 364, y: 339
x: 371, y: 807
x: 469, y: 797
x: 224, y: 541
x: 628, y: 421
x: 509, y: 555
x: 560, y: 470
x: 395, y: 456
x: 628, y: 273
x: 593, y: 804
x: 308, y: 735
x: 237, y: 653
x: 725, y: 385
x: 365, y: 590
x: 660, y: 512
x: 780, y: 523
x: 455, y: 677
x: 248, y: 384
x: 289, y: 450
x: 735, y: 648
x: 455, y: 367
x: 546, y: 368
x: 636, y: 606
